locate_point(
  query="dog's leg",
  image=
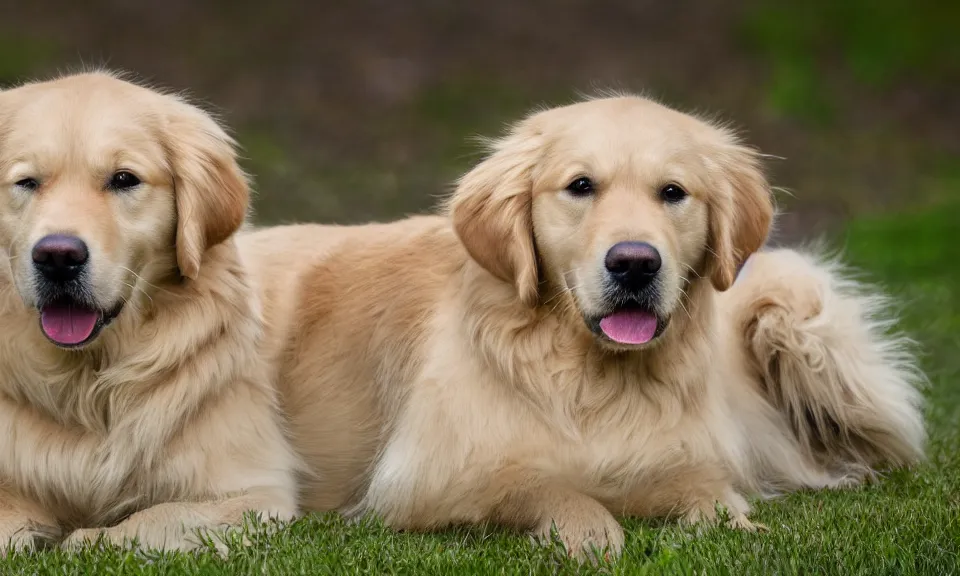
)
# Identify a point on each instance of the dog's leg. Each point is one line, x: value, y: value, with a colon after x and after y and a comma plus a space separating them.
x: 546, y: 508
x: 184, y: 525
x: 693, y: 494
x: 23, y: 524
x: 733, y: 504
x: 828, y: 363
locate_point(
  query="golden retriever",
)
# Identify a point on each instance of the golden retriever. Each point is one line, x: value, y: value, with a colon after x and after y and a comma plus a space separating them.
x: 133, y: 402
x: 569, y: 344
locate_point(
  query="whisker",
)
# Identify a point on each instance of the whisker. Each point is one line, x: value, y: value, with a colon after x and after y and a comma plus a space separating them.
x: 554, y: 297
x: 691, y: 269
x: 567, y: 290
x: 136, y: 288
x: 557, y: 305
x: 142, y: 279
x: 684, y: 306
x: 131, y: 304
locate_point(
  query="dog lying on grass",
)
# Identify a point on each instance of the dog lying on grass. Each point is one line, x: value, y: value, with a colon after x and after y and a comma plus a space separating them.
x: 133, y: 402
x: 570, y: 343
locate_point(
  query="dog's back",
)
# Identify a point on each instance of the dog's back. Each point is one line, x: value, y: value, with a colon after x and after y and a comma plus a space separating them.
x: 336, y: 299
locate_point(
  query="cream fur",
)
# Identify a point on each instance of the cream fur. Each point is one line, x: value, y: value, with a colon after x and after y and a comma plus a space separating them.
x: 438, y: 370
x: 165, y: 425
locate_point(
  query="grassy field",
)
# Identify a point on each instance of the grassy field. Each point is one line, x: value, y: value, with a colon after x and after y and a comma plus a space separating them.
x: 909, y: 523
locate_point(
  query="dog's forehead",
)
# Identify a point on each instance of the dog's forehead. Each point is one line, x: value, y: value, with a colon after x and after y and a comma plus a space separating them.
x: 626, y: 135
x: 111, y: 103
x: 626, y: 123
x: 77, y: 117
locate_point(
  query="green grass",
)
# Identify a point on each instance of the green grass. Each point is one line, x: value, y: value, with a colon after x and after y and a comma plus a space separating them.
x: 21, y: 55
x: 909, y: 523
x: 875, y: 43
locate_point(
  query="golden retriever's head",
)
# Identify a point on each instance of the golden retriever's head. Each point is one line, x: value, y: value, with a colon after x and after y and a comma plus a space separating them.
x: 617, y: 204
x: 108, y: 188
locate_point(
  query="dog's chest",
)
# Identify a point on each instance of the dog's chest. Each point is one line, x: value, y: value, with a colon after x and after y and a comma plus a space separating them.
x: 619, y: 450
x: 607, y: 448
x: 59, y: 451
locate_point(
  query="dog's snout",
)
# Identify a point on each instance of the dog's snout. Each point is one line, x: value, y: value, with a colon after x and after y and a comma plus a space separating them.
x: 60, y: 258
x: 633, y: 264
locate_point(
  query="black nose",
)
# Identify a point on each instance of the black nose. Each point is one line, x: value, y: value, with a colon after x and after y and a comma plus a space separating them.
x: 633, y: 264
x: 60, y: 258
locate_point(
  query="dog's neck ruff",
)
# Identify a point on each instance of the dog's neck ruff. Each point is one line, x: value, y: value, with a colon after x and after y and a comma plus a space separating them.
x: 549, y: 356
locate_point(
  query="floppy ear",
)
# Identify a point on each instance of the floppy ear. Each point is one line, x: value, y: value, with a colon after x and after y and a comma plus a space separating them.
x: 212, y: 192
x: 740, y: 218
x: 491, y: 212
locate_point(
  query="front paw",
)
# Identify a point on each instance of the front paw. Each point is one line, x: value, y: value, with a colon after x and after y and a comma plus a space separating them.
x: 82, y: 538
x: 216, y: 540
x: 853, y: 477
x: 741, y: 522
x: 733, y: 506
x: 25, y: 537
x: 584, y: 533
x: 165, y: 539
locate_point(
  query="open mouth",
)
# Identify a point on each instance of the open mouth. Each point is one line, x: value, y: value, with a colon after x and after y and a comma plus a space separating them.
x: 631, y: 324
x: 71, y: 324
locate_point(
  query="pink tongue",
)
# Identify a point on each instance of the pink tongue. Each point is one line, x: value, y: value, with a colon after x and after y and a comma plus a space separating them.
x: 68, y: 324
x: 630, y: 326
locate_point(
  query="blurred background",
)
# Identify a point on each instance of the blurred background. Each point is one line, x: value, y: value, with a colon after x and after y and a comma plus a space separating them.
x: 352, y: 111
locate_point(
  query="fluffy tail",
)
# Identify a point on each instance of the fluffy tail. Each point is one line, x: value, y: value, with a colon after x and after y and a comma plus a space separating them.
x: 831, y: 363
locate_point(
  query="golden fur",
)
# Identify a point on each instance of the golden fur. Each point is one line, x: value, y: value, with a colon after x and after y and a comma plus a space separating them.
x: 166, y: 423
x: 438, y: 370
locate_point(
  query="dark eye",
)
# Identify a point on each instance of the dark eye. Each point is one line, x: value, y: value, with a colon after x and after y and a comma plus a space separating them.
x: 30, y: 184
x: 582, y: 186
x: 123, y: 180
x: 672, y: 193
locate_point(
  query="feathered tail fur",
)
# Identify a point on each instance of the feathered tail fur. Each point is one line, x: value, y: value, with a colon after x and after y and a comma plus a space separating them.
x: 832, y: 364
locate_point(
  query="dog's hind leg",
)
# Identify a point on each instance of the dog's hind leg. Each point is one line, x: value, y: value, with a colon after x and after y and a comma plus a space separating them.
x: 829, y: 363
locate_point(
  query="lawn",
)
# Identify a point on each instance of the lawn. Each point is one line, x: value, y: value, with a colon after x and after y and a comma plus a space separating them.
x: 909, y: 523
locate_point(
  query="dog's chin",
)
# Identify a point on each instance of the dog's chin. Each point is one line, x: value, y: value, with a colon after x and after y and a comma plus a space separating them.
x: 628, y: 326
x: 71, y: 324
